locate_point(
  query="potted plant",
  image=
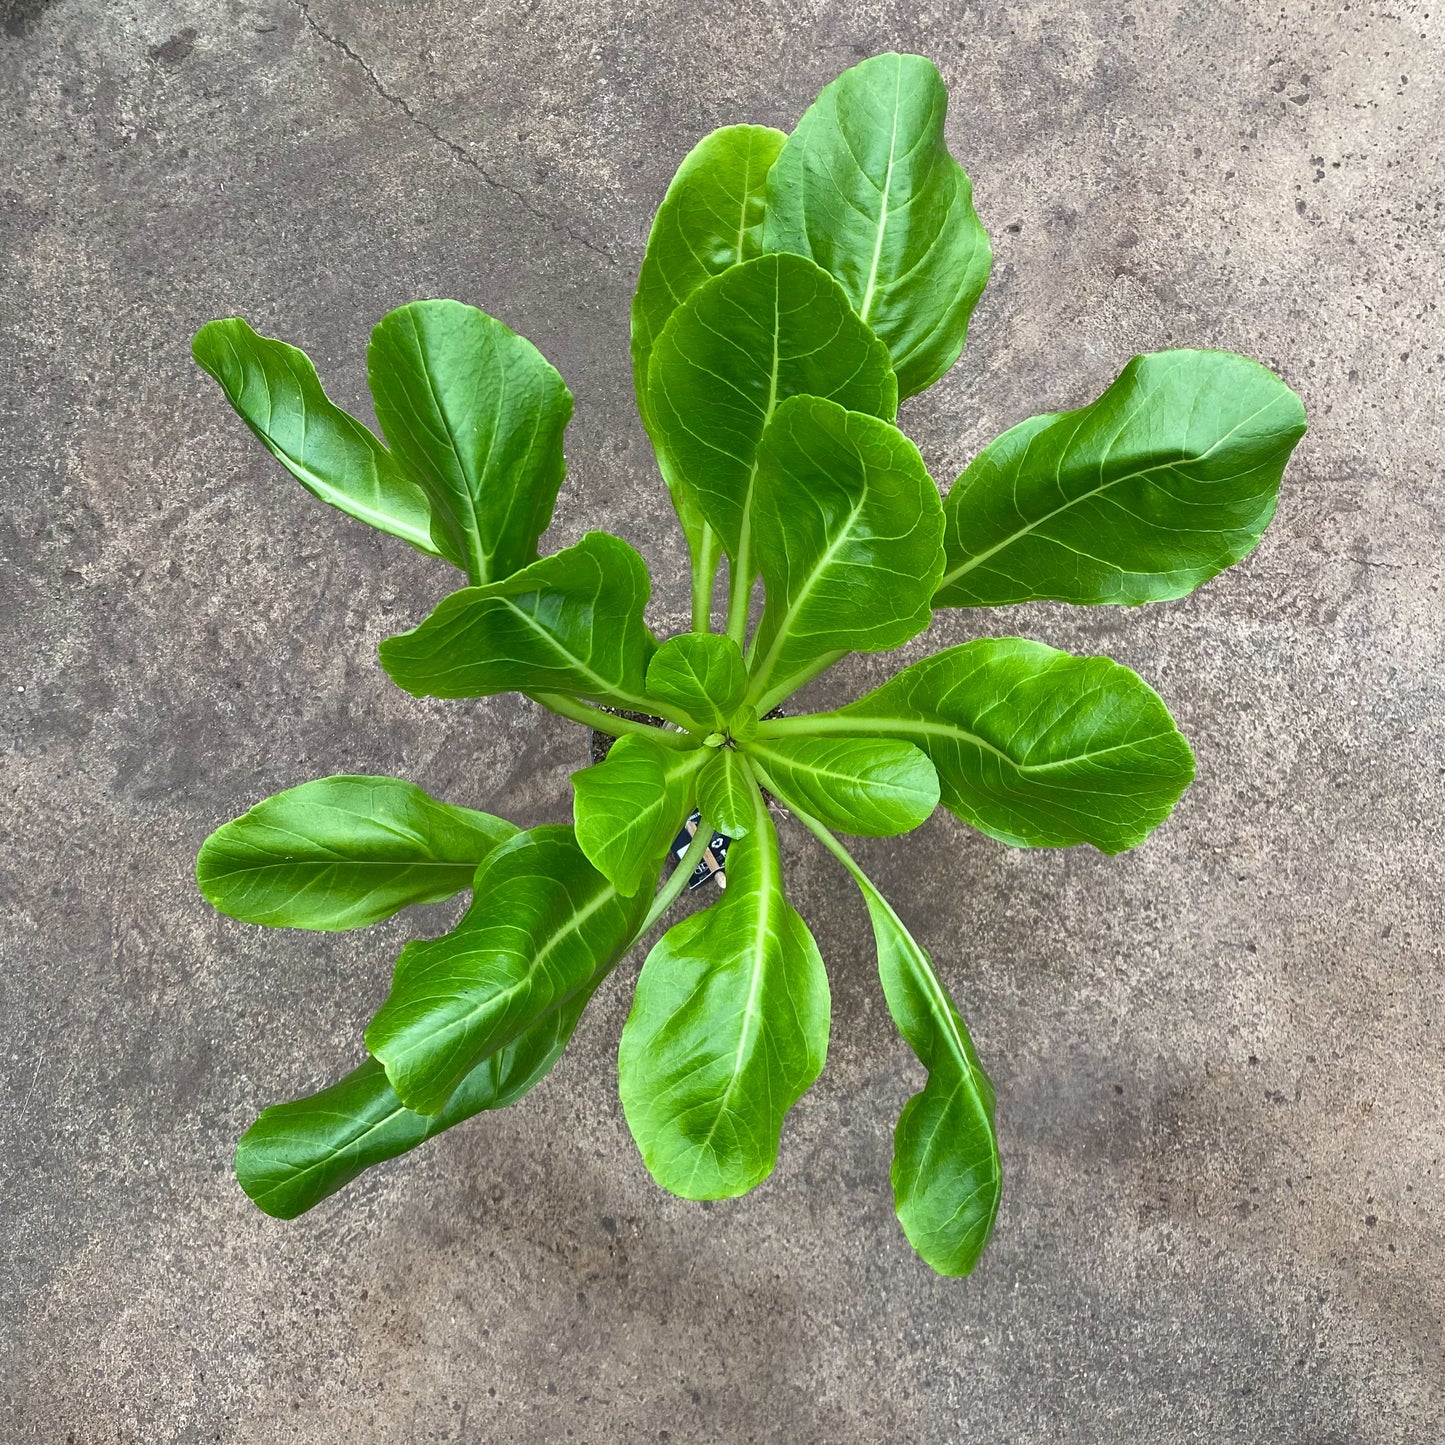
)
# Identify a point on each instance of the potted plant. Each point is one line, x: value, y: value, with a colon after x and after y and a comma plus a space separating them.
x: 795, y: 288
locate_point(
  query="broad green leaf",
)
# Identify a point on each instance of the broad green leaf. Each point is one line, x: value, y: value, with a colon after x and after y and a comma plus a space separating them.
x: 544, y: 928
x: 1166, y: 480
x: 946, y: 1174
x: 629, y: 807
x: 703, y: 674
x: 569, y: 623
x: 729, y: 1027
x: 725, y: 793
x: 866, y: 187
x: 870, y: 787
x: 297, y: 1154
x: 342, y: 853
x: 849, y: 532
x: 275, y: 391
x: 710, y: 219
x: 759, y: 332
x: 1033, y: 747
x: 475, y: 414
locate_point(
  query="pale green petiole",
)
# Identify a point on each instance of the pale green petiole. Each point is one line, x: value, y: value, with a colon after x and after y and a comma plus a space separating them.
x: 810, y: 823
x: 740, y: 596
x: 672, y: 889
x: 606, y: 722
x: 704, y: 578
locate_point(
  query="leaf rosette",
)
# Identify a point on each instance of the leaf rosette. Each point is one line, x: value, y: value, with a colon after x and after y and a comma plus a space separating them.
x: 794, y: 288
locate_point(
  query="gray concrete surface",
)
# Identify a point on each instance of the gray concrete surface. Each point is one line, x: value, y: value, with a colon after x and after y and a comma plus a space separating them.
x: 1219, y: 1059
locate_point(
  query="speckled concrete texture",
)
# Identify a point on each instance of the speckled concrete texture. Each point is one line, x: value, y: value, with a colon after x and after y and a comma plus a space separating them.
x: 1220, y: 1059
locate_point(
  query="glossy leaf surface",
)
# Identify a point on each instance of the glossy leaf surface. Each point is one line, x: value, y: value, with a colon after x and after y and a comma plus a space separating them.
x: 297, y: 1154
x: 725, y: 792
x: 276, y: 392
x: 543, y: 929
x: 849, y: 528
x: 629, y: 807
x: 569, y: 623
x: 475, y: 414
x: 729, y: 1027
x: 762, y: 331
x: 866, y: 187
x: 870, y: 787
x: 702, y: 673
x: 1033, y: 746
x: 1171, y: 476
x: 793, y: 289
x: 342, y: 853
x: 947, y: 1179
x: 946, y: 1173
x: 710, y: 219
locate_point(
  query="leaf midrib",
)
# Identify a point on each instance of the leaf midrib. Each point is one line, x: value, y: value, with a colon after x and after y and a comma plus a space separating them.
x: 463, y: 1022
x: 784, y: 628
x: 842, y: 726
x: 768, y: 883
x: 295, y: 864
x: 980, y: 557
x: 867, y: 304
x: 874, y: 786
x: 604, y: 687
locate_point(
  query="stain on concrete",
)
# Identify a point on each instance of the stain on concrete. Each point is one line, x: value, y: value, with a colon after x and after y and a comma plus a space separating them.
x: 177, y: 48
x: 19, y: 16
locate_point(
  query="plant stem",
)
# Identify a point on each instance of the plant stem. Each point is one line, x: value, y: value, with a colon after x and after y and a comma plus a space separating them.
x: 476, y: 562
x: 820, y: 722
x: 704, y: 578
x: 740, y: 595
x: 674, y: 885
x: 785, y: 689
x: 817, y: 829
x: 606, y: 722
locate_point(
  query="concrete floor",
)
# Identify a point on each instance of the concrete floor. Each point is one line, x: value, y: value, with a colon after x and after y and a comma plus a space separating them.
x: 1219, y: 1059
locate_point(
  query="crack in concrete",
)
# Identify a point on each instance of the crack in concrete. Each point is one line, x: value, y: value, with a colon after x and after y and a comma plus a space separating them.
x: 460, y: 152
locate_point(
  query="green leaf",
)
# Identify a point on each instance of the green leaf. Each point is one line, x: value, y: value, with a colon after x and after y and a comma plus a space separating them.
x: 946, y: 1174
x: 761, y: 331
x: 849, y: 530
x: 867, y: 188
x: 870, y: 787
x: 342, y: 853
x: 475, y: 414
x: 297, y: 1154
x: 710, y: 219
x: 544, y: 928
x: 729, y: 1027
x: 569, y: 623
x: 1166, y: 480
x: 703, y: 674
x: 629, y: 807
x: 725, y: 793
x: 1033, y: 747
x: 275, y: 391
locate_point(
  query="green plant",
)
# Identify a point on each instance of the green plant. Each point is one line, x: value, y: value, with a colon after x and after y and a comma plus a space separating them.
x: 793, y: 290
